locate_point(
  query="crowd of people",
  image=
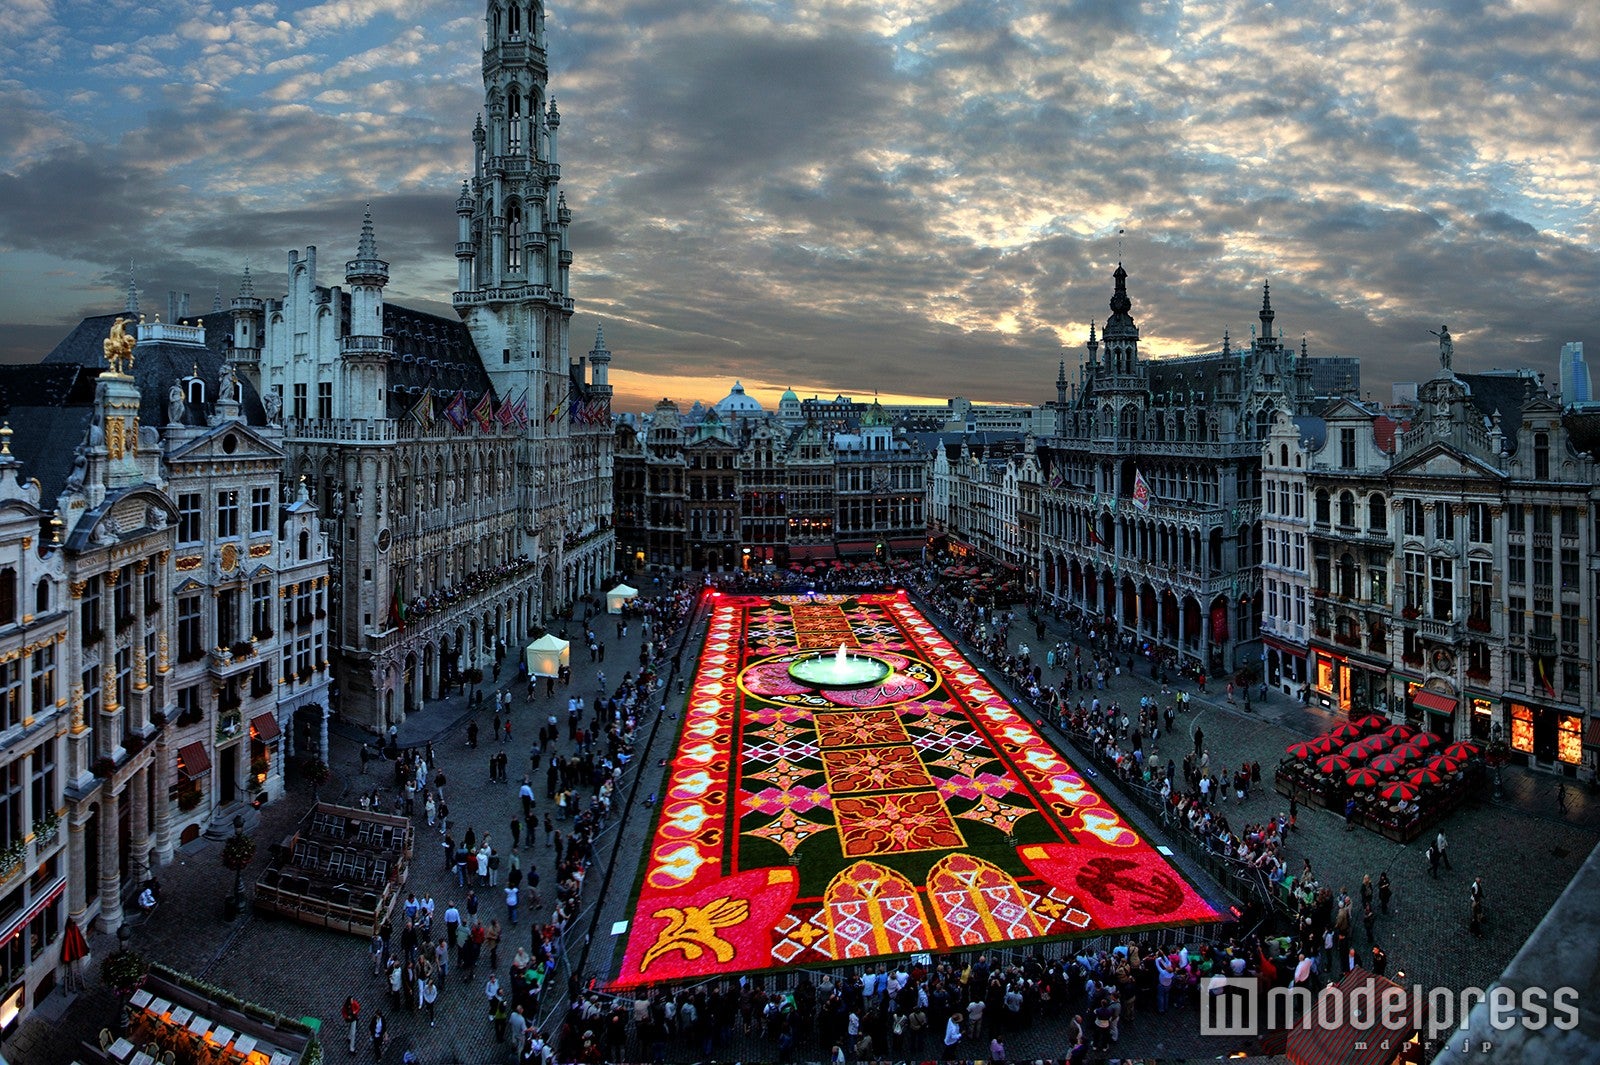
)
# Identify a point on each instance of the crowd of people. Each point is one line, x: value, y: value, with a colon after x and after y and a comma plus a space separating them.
x: 577, y: 765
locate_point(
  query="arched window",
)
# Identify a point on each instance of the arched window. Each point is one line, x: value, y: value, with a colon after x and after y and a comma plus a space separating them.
x: 1541, y: 455
x: 1347, y: 509
x: 1377, y: 513
x: 1347, y: 576
x: 514, y: 20
x: 494, y: 25
x: 1283, y: 454
x: 8, y: 595
x: 514, y: 237
x: 196, y: 392
x: 1322, y: 514
x: 41, y: 597
x: 514, y: 118
x: 305, y: 545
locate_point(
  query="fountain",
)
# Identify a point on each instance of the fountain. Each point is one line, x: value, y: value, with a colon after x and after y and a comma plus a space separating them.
x: 841, y: 671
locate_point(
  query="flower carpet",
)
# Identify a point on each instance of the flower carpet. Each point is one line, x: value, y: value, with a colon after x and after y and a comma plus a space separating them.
x: 921, y: 813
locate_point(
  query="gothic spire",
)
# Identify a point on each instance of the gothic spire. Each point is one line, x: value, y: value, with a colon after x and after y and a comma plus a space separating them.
x: 247, y: 287
x: 1267, y: 313
x: 368, y: 249
x: 132, y: 306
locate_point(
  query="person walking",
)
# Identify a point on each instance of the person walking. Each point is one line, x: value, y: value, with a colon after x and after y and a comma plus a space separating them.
x: 1433, y: 861
x: 1369, y: 919
x: 1443, y: 846
x: 1385, y: 891
x: 511, y: 904
x: 1561, y: 798
x: 430, y: 995
x: 379, y: 1031
x: 352, y: 1016
x: 1199, y: 740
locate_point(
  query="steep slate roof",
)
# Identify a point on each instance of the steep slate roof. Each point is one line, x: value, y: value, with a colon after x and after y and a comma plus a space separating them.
x: 1506, y: 393
x: 49, y: 408
x: 430, y: 351
x: 158, y: 365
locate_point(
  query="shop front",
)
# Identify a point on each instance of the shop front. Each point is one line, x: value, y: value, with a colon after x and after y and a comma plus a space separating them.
x: 1349, y: 684
x: 1283, y: 664
x: 1433, y: 707
x: 1545, y: 736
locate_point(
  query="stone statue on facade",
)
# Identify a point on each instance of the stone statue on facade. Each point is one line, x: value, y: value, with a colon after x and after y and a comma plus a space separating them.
x: 1447, y: 347
x: 176, y: 407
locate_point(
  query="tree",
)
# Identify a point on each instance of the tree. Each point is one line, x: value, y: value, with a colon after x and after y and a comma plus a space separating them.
x: 237, y: 854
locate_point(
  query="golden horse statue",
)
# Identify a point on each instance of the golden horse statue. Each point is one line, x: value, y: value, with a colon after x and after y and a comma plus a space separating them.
x: 118, y: 348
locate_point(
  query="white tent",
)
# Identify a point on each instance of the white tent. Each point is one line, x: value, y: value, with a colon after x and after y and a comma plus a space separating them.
x: 547, y: 655
x: 617, y: 597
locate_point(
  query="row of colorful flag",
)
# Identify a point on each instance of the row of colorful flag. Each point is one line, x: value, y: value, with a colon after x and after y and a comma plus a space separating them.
x: 581, y: 410
x: 460, y: 413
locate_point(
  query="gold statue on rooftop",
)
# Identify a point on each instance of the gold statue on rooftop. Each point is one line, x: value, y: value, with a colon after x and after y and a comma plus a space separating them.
x: 118, y: 348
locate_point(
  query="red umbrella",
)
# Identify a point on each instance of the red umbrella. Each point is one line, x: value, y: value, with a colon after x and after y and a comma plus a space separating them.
x: 1410, y: 750
x: 1444, y: 763
x: 1372, y: 722
x: 1399, y: 732
x: 1387, y: 763
x: 1321, y: 744
x: 1363, y: 777
x: 1422, y: 740
x: 1346, y: 731
x: 1424, y: 775
x: 73, y: 946
x: 1463, y: 750
x: 1302, y: 750
x: 1398, y: 790
x: 1333, y: 763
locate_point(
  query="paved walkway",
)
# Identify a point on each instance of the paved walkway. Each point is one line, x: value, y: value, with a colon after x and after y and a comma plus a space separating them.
x: 1523, y: 849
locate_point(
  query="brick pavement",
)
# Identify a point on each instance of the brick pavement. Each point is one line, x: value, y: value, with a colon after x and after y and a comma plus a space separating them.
x: 1525, y: 853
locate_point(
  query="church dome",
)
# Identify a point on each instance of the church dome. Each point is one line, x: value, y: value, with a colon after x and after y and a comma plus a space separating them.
x: 738, y: 404
x: 788, y: 397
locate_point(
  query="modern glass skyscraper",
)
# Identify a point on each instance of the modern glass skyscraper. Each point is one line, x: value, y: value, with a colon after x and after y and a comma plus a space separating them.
x: 1575, y: 389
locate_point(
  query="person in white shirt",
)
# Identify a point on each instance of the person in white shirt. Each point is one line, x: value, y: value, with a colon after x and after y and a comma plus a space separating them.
x: 147, y: 899
x: 952, y: 1032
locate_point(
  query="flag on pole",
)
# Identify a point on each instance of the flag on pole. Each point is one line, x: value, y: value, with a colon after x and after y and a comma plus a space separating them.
x: 457, y: 411
x: 1094, y: 538
x: 483, y: 413
x: 397, y: 609
x: 520, y: 412
x: 1544, y: 677
x: 1141, y: 491
x: 560, y: 408
x: 423, y: 411
x: 507, y: 412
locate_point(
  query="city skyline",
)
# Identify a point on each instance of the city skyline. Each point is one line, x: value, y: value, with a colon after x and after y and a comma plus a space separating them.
x: 822, y: 199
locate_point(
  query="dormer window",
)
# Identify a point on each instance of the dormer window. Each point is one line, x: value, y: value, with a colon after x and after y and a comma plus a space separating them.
x: 194, y: 393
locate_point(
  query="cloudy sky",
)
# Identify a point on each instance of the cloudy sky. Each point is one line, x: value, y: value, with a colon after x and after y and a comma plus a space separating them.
x: 917, y: 197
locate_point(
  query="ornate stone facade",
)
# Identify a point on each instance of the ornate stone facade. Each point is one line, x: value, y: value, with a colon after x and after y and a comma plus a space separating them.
x: 1151, y: 504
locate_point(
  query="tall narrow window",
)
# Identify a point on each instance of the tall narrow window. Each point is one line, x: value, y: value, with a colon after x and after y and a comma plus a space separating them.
x: 514, y: 237
x: 514, y: 120
x: 1541, y: 455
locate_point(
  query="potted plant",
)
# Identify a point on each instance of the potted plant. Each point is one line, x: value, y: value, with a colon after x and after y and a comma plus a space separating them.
x: 237, y: 854
x: 317, y: 772
x: 123, y: 972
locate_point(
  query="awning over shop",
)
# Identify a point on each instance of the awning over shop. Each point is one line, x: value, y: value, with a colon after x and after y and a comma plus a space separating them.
x: 1434, y: 703
x: 264, y: 727
x: 857, y: 547
x: 906, y: 545
x: 193, y: 761
x: 1592, y: 739
x: 811, y: 553
x: 1287, y: 648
